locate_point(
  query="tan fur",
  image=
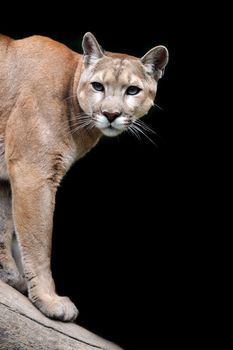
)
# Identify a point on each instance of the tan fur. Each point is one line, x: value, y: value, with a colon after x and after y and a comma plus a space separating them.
x: 50, y: 116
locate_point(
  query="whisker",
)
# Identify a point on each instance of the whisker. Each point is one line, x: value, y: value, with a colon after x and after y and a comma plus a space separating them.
x: 79, y: 127
x: 73, y: 119
x: 92, y: 125
x: 83, y: 124
x: 67, y: 98
x: 143, y: 133
x: 79, y: 116
x: 155, y: 105
x: 134, y: 133
x: 76, y: 123
x: 80, y: 122
x: 145, y: 126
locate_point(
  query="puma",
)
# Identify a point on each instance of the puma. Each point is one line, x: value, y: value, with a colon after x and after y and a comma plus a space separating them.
x: 55, y: 105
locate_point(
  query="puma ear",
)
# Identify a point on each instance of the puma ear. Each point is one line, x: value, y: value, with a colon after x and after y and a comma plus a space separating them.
x: 155, y: 61
x: 91, y: 49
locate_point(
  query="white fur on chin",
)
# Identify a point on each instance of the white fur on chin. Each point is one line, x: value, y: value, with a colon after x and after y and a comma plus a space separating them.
x: 111, y: 132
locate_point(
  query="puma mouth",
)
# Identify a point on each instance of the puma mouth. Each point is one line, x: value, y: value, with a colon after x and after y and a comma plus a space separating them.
x: 111, y: 131
x: 109, y: 128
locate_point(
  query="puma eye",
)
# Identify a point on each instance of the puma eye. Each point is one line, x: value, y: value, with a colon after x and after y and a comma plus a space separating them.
x: 97, y: 86
x: 133, y: 90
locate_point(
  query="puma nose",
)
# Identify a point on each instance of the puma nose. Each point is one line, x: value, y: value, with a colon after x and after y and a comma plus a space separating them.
x: 111, y: 116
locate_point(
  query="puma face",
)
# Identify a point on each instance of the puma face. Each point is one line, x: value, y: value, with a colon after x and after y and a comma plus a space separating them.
x: 115, y: 90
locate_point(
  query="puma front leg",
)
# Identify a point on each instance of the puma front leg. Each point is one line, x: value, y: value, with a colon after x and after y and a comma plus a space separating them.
x: 33, y: 198
x: 9, y: 272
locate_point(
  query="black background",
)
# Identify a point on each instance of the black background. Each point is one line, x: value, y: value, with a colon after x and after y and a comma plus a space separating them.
x: 125, y: 226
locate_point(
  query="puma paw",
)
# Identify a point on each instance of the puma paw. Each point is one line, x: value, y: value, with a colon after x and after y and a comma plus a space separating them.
x: 59, y: 308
